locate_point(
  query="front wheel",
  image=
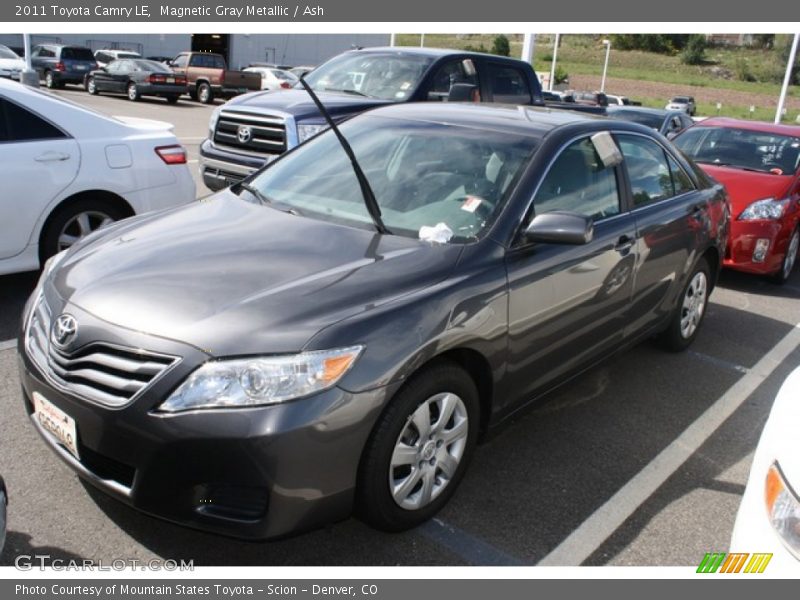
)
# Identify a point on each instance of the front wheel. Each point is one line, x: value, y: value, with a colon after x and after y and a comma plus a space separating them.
x: 688, y: 315
x: 419, y: 449
x: 790, y: 259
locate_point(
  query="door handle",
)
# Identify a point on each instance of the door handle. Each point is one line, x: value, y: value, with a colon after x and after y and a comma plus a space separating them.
x: 52, y: 157
x: 625, y: 242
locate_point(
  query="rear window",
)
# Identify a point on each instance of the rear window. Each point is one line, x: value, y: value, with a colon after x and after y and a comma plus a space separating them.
x: 635, y: 116
x: 6, y: 53
x: 151, y: 65
x: 77, y: 54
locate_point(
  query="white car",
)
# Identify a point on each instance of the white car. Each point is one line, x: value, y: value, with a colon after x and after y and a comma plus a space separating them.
x: 769, y: 515
x: 103, y: 57
x: 684, y: 103
x: 70, y: 170
x: 11, y: 65
x: 274, y: 79
x: 614, y: 100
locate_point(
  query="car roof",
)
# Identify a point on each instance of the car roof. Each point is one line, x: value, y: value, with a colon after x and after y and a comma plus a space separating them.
x: 656, y: 112
x: 425, y: 51
x: 762, y: 126
x: 532, y: 121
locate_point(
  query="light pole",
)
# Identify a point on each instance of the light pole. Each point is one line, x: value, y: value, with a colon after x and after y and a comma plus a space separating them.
x: 553, y: 65
x: 421, y: 40
x: 787, y: 79
x: 28, y: 75
x: 607, y: 44
x: 392, y: 40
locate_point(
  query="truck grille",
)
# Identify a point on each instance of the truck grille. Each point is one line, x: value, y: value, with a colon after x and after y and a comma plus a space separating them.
x: 252, y: 133
x: 105, y: 373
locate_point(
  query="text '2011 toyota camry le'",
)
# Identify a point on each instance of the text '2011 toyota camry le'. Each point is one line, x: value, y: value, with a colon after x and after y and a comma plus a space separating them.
x: 335, y: 334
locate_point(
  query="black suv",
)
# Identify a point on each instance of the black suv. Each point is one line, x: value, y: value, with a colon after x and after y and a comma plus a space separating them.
x: 58, y: 64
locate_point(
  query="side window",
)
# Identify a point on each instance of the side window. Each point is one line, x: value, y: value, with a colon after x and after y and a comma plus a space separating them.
x: 45, y: 52
x: 216, y: 62
x: 180, y: 61
x: 24, y: 126
x: 196, y: 60
x: 3, y: 126
x: 449, y: 74
x: 35, y: 51
x: 508, y: 84
x: 680, y: 180
x: 579, y: 182
x: 648, y: 170
x: 103, y: 57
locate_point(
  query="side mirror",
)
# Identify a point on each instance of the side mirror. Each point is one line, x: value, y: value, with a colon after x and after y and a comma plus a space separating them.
x: 461, y: 92
x: 560, y: 227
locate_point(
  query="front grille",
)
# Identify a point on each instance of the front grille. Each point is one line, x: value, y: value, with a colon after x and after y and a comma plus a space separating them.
x: 267, y: 133
x: 227, y: 177
x: 98, y: 371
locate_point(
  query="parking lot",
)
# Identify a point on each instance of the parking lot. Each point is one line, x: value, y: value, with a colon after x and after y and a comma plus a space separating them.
x: 594, y: 474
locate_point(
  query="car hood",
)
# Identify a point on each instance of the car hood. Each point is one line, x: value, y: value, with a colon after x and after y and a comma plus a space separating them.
x: 230, y: 277
x: 744, y: 187
x: 299, y: 104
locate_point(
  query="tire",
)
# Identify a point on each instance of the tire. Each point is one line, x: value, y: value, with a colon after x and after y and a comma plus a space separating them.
x: 790, y: 260
x: 173, y: 99
x: 72, y: 222
x: 425, y: 474
x: 50, y: 80
x: 133, y: 93
x: 688, y: 316
x: 91, y: 86
x: 204, y: 93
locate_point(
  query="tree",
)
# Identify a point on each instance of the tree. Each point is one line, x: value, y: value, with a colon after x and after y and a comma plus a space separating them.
x: 695, y: 51
x: 501, y: 46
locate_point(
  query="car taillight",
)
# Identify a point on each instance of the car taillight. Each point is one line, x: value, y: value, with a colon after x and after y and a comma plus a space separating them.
x: 285, y: 85
x: 181, y: 80
x: 156, y: 78
x: 172, y: 155
x: 60, y: 66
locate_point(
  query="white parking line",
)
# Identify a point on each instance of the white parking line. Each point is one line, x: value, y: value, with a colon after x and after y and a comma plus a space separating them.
x: 590, y: 535
x: 7, y: 344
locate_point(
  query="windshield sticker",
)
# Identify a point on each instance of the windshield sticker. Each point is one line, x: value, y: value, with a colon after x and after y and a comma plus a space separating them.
x: 471, y: 204
x: 405, y: 86
x: 400, y: 95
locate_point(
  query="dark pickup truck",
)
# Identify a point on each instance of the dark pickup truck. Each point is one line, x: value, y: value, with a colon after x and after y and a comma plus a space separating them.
x: 254, y: 129
x: 208, y: 76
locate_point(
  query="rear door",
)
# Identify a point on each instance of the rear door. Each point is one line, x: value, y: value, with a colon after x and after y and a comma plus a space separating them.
x: 568, y: 304
x: 669, y: 213
x: 43, y: 160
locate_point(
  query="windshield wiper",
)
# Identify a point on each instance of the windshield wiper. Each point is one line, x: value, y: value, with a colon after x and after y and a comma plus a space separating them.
x: 369, y: 196
x: 353, y: 92
x: 262, y: 197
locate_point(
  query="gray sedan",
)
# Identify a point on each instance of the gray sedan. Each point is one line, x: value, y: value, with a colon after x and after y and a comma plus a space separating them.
x: 322, y: 338
x: 668, y: 123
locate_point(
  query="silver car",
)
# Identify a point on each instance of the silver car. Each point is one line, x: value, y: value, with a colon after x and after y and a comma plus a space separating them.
x: 684, y: 103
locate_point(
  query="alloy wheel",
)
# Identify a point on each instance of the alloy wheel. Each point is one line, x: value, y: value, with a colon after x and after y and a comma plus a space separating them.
x: 428, y: 451
x: 694, y: 304
x: 80, y: 226
x: 791, y: 254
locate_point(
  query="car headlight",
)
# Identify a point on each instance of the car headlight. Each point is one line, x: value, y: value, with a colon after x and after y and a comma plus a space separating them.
x: 305, y: 131
x: 212, y: 122
x: 766, y: 209
x: 261, y: 380
x: 783, y: 509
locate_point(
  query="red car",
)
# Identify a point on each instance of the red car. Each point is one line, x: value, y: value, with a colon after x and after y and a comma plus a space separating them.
x: 759, y: 164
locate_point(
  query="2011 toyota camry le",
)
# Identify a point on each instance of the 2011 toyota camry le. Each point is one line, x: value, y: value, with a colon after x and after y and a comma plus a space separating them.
x: 337, y: 331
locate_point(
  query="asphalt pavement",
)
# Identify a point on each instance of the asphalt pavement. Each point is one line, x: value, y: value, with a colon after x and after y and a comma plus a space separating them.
x: 640, y: 461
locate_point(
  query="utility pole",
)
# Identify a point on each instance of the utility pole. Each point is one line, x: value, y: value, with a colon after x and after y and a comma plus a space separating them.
x: 787, y: 79
x: 553, y: 65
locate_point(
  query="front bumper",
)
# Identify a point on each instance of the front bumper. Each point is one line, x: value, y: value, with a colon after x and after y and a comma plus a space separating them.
x: 222, y: 168
x: 255, y: 473
x: 742, y: 244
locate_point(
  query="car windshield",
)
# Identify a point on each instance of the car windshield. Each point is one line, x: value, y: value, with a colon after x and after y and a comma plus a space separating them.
x: 422, y: 174
x: 284, y: 75
x: 385, y: 76
x: 7, y: 53
x: 128, y: 55
x: 680, y: 100
x: 151, y: 65
x: 742, y: 148
x: 77, y: 54
x: 636, y: 116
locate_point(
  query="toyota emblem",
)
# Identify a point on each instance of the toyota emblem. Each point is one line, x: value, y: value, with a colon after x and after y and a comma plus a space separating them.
x: 64, y: 330
x: 243, y: 134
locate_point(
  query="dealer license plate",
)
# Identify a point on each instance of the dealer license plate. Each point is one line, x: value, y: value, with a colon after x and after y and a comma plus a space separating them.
x: 170, y: 80
x: 56, y: 422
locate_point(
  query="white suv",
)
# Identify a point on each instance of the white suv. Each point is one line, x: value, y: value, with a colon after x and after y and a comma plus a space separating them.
x: 103, y: 57
x: 70, y: 170
x: 684, y: 103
